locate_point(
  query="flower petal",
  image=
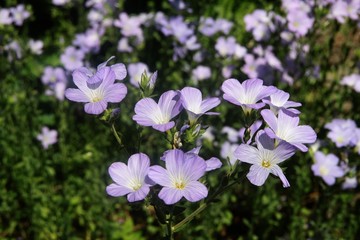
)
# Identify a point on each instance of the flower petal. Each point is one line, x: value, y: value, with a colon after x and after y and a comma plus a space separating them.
x: 276, y: 170
x: 116, y: 93
x: 119, y: 70
x: 138, y: 195
x: 248, y: 154
x: 117, y: 190
x: 170, y: 195
x: 76, y: 95
x: 95, y: 107
x: 119, y: 173
x: 257, y: 175
x: 195, y: 191
x: 160, y: 176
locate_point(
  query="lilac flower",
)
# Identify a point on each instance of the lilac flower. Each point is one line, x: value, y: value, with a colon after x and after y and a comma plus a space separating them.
x: 325, y: 166
x: 226, y: 71
x: 72, y: 58
x: 36, y: 46
x: 5, y: 18
x: 135, y: 71
x: 211, y: 164
x: 52, y: 75
x: 47, y: 137
x: 19, y: 14
x: 280, y: 100
x: 97, y: 90
x: 246, y: 94
x: 225, y: 46
x: 201, y: 73
x: 60, y: 2
x: 227, y: 151
x: 191, y: 99
x: 13, y: 47
x: 158, y: 115
x: 57, y: 89
x: 353, y: 81
x: 342, y: 132
x: 265, y: 158
x: 89, y: 41
x: 338, y: 11
x: 209, y: 26
x: 130, y: 26
x: 123, y: 45
x: 180, y: 178
x: 176, y: 27
x: 240, y: 51
x: 253, y: 67
x: 132, y: 179
x: 260, y: 24
x: 192, y: 44
x: 119, y: 69
x: 232, y: 134
x: 286, y: 127
x: 299, y: 22
x: 349, y: 183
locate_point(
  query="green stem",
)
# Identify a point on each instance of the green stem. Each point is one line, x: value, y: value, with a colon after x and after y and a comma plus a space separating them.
x: 202, y: 207
x: 118, y: 138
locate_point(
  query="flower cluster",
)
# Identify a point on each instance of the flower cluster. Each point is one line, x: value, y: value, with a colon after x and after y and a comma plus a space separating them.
x: 345, y: 134
x: 277, y: 142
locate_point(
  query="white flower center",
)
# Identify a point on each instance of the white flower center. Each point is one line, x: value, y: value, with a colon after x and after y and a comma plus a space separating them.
x: 324, y: 171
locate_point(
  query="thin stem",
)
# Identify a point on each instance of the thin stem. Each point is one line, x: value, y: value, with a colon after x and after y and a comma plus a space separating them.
x: 118, y: 138
x: 202, y: 207
x: 169, y: 228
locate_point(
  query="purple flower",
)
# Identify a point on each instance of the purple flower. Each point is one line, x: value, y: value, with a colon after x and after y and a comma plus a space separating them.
x: 225, y: 46
x: 211, y: 164
x: 349, y: 183
x: 130, y: 26
x: 97, y: 90
x: 53, y: 75
x: 201, y: 73
x: 299, y: 22
x: 353, y: 81
x: 325, y: 166
x: 135, y: 71
x: 257, y: 68
x: 60, y: 2
x: 123, y: 45
x: 158, y: 115
x: 132, y: 179
x: 47, y: 137
x: 19, y: 14
x: 265, y: 158
x: 89, y: 41
x: 227, y: 151
x: 209, y: 26
x: 72, y: 58
x: 279, y: 100
x: 5, y: 18
x: 36, y: 46
x: 119, y: 68
x: 14, y: 47
x: 191, y: 99
x: 342, y: 132
x: 246, y: 94
x: 286, y: 127
x: 176, y: 27
x: 180, y: 178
